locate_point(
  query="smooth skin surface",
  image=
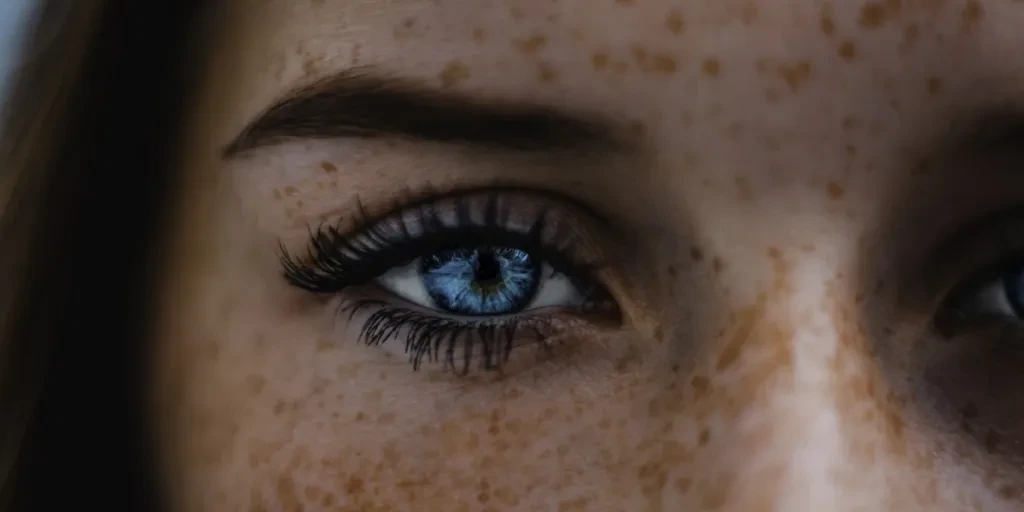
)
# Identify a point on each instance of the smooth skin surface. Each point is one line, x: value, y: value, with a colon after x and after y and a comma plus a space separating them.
x: 785, y: 210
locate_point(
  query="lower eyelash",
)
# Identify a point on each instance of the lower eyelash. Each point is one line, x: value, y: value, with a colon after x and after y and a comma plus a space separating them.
x: 456, y: 343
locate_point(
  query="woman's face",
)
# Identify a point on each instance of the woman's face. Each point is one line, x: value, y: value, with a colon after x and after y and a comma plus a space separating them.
x: 600, y: 255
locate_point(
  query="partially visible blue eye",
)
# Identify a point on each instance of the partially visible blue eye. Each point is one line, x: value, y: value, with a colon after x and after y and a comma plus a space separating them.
x: 481, y: 281
x: 1002, y: 296
x: 1013, y: 283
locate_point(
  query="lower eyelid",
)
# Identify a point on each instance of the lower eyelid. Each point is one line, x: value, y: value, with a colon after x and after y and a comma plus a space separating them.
x: 405, y: 331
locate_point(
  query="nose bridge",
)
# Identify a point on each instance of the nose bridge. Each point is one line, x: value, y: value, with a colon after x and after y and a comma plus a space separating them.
x: 776, y: 390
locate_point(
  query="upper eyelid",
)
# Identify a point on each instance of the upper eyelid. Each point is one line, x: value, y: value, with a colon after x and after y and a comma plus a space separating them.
x: 356, y: 247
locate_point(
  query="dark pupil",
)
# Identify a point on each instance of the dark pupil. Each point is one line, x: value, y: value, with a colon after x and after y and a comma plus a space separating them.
x: 487, y: 268
x: 482, y: 280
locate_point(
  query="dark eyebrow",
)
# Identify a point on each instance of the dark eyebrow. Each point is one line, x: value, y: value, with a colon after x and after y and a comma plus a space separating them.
x: 358, y: 103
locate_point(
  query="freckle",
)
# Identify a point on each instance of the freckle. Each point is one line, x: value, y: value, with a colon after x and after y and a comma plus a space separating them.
x: 255, y: 383
x: 774, y: 253
x: 279, y: 407
x: 659, y: 333
x: 717, y: 265
x: 848, y: 51
x: 1007, y: 491
x: 849, y: 123
x: 696, y: 254
x: 277, y: 194
x: 828, y: 27
x: 286, y: 493
x: 532, y: 45
x: 546, y: 74
x: 386, y: 418
x: 835, y: 190
x: 743, y: 188
x: 911, y: 33
x: 328, y: 167
x: 794, y: 75
x: 479, y: 35
x: 704, y: 437
x: 313, y: 493
x: 513, y: 426
x: 934, y: 85
x: 360, y: 416
x: 663, y: 64
x: 683, y: 484
x: 749, y: 14
x: 674, y: 22
x: 354, y: 486
x: 290, y: 191
x: 872, y: 15
x: 671, y: 271
x: 710, y: 67
x: 735, y: 129
x: 700, y: 385
x: 599, y: 61
x: 454, y: 73
x: 640, y: 54
x: 972, y: 12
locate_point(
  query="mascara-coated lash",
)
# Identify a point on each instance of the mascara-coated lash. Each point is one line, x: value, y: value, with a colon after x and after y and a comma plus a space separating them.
x: 335, y: 260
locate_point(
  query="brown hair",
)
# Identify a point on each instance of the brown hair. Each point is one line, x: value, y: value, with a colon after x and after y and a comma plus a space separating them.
x: 86, y: 153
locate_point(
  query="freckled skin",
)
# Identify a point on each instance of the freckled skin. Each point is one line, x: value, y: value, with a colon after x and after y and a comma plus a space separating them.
x: 752, y: 374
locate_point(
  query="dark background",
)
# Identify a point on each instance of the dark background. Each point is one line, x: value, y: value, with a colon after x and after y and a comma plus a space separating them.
x: 81, y: 329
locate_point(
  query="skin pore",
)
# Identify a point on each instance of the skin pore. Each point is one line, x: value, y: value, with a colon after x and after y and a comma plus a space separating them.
x: 783, y: 196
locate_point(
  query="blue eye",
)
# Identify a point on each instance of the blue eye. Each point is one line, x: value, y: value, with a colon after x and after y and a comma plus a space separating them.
x: 1002, y: 296
x: 481, y: 281
x: 1013, y: 283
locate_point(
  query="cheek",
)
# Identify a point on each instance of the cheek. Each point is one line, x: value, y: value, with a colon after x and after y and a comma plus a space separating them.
x: 972, y: 387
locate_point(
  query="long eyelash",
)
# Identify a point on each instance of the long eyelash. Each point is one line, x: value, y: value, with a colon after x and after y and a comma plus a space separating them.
x: 439, y: 339
x: 335, y: 261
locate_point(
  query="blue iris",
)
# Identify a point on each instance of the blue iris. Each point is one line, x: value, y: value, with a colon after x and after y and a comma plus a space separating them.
x: 1014, y: 286
x: 482, y: 280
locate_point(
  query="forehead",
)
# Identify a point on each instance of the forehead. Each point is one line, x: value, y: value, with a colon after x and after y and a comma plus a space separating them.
x: 776, y: 63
